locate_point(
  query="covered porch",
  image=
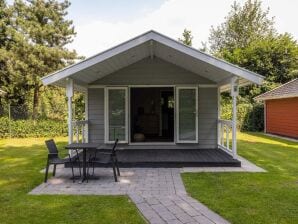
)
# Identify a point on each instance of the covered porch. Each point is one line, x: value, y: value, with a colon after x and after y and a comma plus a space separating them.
x: 166, y: 157
x: 191, y: 81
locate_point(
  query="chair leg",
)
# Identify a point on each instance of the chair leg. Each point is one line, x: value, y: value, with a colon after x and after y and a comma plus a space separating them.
x: 93, y: 164
x: 114, y: 171
x: 80, y: 168
x: 88, y: 174
x: 54, y: 170
x: 71, y: 163
x: 117, y: 166
x: 73, y: 176
x: 78, y: 159
x: 47, y: 171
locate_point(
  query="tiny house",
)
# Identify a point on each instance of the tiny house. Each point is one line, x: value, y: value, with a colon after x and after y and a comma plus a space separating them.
x: 153, y: 92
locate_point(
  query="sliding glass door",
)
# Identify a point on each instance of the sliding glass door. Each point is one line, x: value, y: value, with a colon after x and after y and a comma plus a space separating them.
x: 187, y: 114
x: 116, y: 119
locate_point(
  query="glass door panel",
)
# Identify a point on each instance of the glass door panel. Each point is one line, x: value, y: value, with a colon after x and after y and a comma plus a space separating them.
x: 116, y: 114
x: 187, y: 122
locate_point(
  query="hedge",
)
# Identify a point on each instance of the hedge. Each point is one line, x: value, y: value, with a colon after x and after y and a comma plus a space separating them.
x: 31, y: 128
x: 250, y: 117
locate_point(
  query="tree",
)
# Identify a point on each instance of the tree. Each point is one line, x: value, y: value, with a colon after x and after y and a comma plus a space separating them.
x: 242, y: 26
x: 11, y: 68
x: 45, y: 32
x: 248, y: 38
x: 186, y: 37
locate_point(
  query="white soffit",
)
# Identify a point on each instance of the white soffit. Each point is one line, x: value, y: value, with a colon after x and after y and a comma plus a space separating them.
x: 148, y: 45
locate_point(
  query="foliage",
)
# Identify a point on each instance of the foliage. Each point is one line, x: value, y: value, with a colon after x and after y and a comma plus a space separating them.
x: 32, y: 128
x: 254, y: 118
x: 38, y: 32
x: 21, y: 161
x: 12, y: 79
x: 250, y: 116
x: 242, y: 26
x: 247, y: 198
x: 276, y: 58
x: 248, y: 39
x: 186, y: 37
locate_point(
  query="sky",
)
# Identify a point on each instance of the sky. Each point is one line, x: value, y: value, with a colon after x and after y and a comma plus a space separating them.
x: 101, y: 24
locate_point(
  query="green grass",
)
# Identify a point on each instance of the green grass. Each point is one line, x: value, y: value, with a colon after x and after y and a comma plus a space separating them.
x: 242, y: 198
x: 20, y: 163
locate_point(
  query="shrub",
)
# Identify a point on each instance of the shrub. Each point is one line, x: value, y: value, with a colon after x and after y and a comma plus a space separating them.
x: 254, y: 119
x: 31, y: 128
x: 250, y: 116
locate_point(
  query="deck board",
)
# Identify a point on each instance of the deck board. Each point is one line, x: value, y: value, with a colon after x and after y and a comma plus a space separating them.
x: 175, y: 158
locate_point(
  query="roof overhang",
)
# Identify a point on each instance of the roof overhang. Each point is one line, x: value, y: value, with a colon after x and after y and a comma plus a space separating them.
x: 286, y: 90
x: 151, y: 44
x: 277, y: 97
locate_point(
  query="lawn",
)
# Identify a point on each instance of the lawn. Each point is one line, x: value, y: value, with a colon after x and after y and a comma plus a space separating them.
x: 242, y: 198
x: 20, y: 163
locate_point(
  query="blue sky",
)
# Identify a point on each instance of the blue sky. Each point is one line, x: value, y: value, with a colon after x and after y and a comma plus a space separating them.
x: 101, y: 24
x: 113, y: 10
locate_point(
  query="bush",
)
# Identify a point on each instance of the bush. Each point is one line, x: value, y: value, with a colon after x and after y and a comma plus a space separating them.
x: 31, y: 128
x: 254, y: 119
x: 250, y: 116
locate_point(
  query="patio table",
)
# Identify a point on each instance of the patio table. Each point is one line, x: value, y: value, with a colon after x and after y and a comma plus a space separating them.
x: 85, y: 147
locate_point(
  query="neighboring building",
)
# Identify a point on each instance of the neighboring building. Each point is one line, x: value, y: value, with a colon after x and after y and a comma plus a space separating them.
x: 281, y: 110
x: 153, y: 92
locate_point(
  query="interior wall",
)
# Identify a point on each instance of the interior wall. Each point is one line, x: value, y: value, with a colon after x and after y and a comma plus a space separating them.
x: 149, y: 100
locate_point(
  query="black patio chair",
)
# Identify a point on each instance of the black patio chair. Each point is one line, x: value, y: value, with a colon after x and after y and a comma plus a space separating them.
x: 105, y: 157
x: 54, y: 159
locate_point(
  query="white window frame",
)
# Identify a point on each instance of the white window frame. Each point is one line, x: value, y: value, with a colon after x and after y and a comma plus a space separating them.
x: 177, y: 114
x: 106, y: 114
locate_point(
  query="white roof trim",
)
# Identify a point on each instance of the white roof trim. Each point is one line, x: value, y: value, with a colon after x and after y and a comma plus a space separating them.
x: 152, y: 35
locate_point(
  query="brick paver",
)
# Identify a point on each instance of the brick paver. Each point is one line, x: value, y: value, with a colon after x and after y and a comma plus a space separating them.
x: 158, y: 193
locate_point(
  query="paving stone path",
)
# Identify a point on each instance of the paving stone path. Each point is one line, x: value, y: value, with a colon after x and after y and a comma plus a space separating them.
x: 158, y: 193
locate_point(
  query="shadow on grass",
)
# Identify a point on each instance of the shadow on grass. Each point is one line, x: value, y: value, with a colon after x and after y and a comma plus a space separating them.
x: 20, y: 165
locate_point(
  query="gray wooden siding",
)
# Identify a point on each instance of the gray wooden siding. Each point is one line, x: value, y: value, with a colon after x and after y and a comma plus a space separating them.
x: 152, y: 72
x: 207, y: 109
x: 96, y: 115
x: 207, y: 105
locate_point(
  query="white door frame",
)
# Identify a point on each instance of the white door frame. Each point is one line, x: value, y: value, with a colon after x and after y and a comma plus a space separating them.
x: 106, y: 113
x: 177, y: 114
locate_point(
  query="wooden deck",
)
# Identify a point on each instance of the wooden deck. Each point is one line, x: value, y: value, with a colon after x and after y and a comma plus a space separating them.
x: 175, y: 158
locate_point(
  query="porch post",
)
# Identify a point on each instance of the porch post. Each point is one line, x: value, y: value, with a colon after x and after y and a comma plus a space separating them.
x: 234, y: 94
x: 219, y: 128
x: 69, y: 94
x: 86, y: 116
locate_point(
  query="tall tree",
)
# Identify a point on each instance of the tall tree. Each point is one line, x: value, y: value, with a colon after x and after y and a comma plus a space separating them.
x: 186, y: 37
x: 11, y: 67
x: 248, y: 38
x: 243, y: 25
x: 45, y: 31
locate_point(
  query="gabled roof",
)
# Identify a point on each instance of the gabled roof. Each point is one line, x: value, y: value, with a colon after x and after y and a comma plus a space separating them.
x: 151, y: 44
x: 287, y: 90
